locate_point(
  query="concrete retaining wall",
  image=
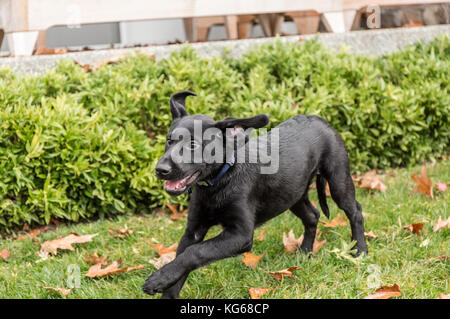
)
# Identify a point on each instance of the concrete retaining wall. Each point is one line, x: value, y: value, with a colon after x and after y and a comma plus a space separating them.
x: 371, y: 42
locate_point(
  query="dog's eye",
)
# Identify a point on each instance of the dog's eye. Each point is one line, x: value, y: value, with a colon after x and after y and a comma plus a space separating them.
x: 192, y: 145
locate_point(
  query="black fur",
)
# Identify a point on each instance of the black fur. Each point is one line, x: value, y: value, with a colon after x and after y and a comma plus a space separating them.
x: 244, y: 198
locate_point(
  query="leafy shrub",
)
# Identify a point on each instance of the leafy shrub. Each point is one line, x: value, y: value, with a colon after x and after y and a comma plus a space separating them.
x: 75, y: 145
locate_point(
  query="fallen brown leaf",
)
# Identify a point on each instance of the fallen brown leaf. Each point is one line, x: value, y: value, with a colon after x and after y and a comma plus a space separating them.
x: 415, y: 228
x: 120, y: 232
x: 370, y: 180
x: 441, y: 187
x: 412, y: 24
x: 441, y: 224
x: 4, y: 254
x: 327, y: 189
x: 251, y: 260
x: 47, y: 51
x: 176, y: 215
x: 370, y: 235
x: 291, y: 243
x: 32, y: 234
x: 262, y: 236
x: 446, y: 257
x: 95, y: 259
x: 163, y: 259
x: 385, y: 292
x: 335, y: 222
x: 161, y: 249
x: 114, y: 268
x: 62, y: 291
x: 318, y: 244
x: 52, y: 246
x: 86, y: 67
x: 424, y: 184
x: 98, y: 64
x: 288, y: 272
x: 256, y: 293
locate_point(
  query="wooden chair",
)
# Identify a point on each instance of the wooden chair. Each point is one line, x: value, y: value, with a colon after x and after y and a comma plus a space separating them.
x: 201, y: 26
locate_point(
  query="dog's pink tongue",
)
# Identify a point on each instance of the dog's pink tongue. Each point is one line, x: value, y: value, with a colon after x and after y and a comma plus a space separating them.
x: 173, y: 184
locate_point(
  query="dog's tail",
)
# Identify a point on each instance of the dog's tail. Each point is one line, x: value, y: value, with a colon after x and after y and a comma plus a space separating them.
x: 320, y: 185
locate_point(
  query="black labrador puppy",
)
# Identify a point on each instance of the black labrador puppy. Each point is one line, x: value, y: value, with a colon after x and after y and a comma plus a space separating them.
x: 238, y: 195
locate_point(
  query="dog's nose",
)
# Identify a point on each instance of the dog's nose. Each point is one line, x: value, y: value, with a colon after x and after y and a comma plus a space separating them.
x: 163, y: 169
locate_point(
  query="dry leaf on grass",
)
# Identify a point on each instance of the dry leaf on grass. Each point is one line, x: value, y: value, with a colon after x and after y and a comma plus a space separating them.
x: 441, y: 257
x: 161, y: 249
x: 262, y: 236
x: 176, y: 215
x: 335, y: 222
x: 256, y: 293
x: 120, y: 232
x: 441, y: 224
x: 443, y: 296
x: 251, y: 260
x: 62, y: 291
x: 370, y: 235
x: 4, y: 254
x: 52, y: 246
x: 370, y: 180
x: 291, y: 243
x: 96, y: 259
x: 424, y: 184
x: 415, y: 228
x: 441, y: 187
x: 114, y: 268
x: 98, y: 64
x: 318, y: 244
x: 32, y: 234
x: 385, y: 292
x: 163, y: 259
x: 166, y: 254
x: 288, y: 272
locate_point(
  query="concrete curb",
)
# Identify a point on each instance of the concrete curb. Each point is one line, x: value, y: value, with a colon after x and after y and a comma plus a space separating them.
x: 370, y: 42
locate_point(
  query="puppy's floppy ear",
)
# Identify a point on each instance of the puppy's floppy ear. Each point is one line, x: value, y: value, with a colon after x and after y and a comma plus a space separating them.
x: 257, y: 121
x: 178, y: 104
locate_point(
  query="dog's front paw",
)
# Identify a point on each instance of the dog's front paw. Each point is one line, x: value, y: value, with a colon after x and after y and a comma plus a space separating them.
x: 156, y: 282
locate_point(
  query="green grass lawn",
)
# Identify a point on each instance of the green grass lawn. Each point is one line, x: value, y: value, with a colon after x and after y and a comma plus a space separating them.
x: 396, y: 257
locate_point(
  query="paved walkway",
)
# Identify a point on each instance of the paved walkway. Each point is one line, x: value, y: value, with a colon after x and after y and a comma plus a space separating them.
x: 372, y: 42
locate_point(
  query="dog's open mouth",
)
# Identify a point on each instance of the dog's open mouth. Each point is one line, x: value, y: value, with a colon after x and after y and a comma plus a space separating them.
x: 179, y: 186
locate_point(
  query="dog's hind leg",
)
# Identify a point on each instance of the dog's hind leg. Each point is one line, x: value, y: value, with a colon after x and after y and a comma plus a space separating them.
x: 310, y: 217
x: 343, y: 193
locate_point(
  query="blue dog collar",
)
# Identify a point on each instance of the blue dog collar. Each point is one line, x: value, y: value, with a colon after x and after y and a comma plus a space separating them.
x: 214, y: 180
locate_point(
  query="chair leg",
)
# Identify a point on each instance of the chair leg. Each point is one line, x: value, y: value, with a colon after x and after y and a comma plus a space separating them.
x: 41, y: 42
x: 2, y: 36
x: 244, y: 25
x: 265, y: 22
x: 307, y: 22
x: 189, y: 29
x: 231, y: 24
x: 277, y: 20
x: 203, y: 25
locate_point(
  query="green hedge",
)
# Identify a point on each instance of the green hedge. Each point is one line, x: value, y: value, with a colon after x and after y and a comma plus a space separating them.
x: 75, y: 145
